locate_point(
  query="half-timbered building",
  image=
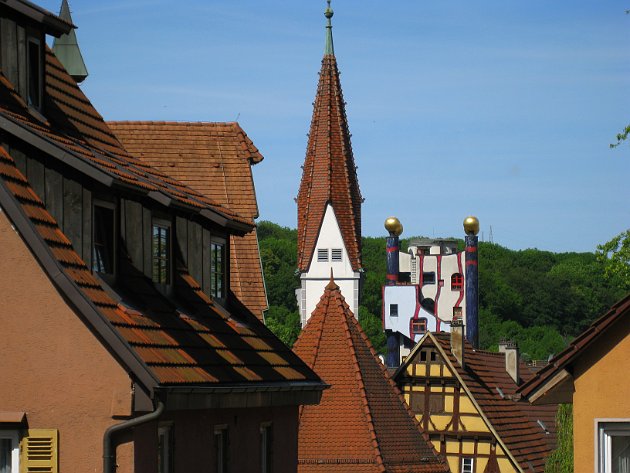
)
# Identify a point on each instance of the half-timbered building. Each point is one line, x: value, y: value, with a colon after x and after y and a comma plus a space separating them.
x: 118, y: 355
x: 465, y: 399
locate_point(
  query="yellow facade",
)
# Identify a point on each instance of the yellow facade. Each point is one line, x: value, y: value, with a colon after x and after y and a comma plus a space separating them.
x: 455, y: 426
x: 602, y: 392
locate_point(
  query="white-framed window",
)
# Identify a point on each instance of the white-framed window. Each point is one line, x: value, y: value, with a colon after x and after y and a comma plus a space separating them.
x: 393, y: 310
x: 336, y: 254
x: 266, y: 447
x: 468, y: 465
x: 9, y: 451
x: 322, y: 255
x: 218, y: 268
x: 165, y: 448
x: 613, y: 446
x: 221, y: 448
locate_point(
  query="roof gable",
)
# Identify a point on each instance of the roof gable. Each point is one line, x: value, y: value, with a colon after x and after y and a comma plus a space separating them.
x: 362, y: 419
x: 513, y: 422
x: 550, y: 375
x: 329, y: 173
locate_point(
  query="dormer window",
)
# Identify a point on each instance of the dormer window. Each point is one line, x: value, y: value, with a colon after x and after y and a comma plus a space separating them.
x: 161, y: 252
x: 34, y: 74
x: 104, y: 238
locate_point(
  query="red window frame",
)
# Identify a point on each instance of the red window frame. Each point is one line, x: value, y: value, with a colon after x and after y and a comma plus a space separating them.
x: 457, y: 282
x: 419, y: 326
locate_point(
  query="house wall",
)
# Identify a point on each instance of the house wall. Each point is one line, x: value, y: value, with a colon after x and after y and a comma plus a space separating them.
x: 58, y: 373
x: 601, y: 392
x: 458, y: 430
x: 194, y: 448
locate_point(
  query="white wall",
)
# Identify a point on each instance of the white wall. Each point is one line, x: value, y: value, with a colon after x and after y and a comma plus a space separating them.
x: 315, y: 280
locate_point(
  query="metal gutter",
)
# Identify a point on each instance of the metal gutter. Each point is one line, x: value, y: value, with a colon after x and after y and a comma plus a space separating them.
x: 109, y: 453
x: 55, y: 271
x: 46, y: 146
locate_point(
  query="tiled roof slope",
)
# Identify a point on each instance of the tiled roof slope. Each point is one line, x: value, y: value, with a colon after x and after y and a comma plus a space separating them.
x: 74, y: 127
x: 515, y: 422
x: 188, y: 342
x: 617, y: 315
x: 214, y: 159
x: 362, y: 423
x: 329, y: 174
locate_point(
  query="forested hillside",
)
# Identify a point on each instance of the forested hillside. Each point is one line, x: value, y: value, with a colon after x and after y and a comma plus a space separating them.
x: 538, y: 298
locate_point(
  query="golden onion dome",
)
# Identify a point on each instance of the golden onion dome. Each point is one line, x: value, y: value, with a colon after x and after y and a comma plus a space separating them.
x: 393, y: 226
x: 471, y: 225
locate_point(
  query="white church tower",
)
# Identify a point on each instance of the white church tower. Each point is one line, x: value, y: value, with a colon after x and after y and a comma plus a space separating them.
x: 329, y: 199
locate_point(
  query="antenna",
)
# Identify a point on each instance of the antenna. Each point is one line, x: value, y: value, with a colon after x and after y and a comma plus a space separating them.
x: 237, y: 116
x: 490, y: 237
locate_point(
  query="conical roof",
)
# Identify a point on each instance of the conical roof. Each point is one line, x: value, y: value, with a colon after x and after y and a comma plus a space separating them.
x: 329, y: 174
x: 66, y: 48
x: 362, y: 423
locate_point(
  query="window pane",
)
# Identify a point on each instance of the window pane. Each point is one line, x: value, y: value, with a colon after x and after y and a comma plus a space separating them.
x: 161, y: 251
x: 6, y: 448
x: 103, y: 240
x: 217, y: 270
x: 620, y: 453
x: 33, y: 74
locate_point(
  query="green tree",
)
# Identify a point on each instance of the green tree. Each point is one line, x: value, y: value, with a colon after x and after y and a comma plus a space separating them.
x: 623, y: 136
x: 373, y: 328
x: 284, y: 323
x: 615, y: 256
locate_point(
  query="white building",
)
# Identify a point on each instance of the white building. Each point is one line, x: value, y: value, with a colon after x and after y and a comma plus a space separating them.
x: 430, y: 291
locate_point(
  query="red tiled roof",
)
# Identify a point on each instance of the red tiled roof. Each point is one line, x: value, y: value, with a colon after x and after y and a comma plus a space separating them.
x: 193, y: 342
x: 515, y: 421
x: 329, y: 174
x: 617, y: 313
x: 362, y: 423
x: 73, y: 126
x: 214, y: 159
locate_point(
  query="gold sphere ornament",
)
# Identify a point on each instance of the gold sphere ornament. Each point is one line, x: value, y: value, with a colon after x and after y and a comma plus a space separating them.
x: 471, y: 225
x: 393, y: 226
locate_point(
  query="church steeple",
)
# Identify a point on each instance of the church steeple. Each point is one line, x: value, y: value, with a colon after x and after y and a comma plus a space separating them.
x: 66, y: 48
x: 329, y: 173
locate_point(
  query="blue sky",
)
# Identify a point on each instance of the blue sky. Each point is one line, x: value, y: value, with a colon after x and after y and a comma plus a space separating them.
x: 499, y: 109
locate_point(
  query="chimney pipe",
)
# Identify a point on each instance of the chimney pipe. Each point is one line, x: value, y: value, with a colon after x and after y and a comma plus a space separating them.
x: 471, y: 227
x: 512, y: 361
x: 457, y: 341
x: 503, y: 343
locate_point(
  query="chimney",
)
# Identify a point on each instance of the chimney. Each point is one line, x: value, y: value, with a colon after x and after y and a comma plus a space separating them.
x: 457, y: 341
x: 395, y: 228
x: 503, y: 343
x: 471, y: 227
x: 512, y: 360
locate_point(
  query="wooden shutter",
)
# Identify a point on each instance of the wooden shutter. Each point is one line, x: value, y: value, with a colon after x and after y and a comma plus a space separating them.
x: 38, y: 451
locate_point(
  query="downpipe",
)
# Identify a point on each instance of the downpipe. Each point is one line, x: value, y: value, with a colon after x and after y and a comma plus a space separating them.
x: 109, y: 453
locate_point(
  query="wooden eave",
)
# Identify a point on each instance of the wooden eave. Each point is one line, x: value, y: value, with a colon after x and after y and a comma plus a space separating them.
x: 52, y: 24
x: 558, y: 389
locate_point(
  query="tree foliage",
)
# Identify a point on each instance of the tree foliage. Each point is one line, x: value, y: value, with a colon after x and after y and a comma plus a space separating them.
x: 615, y: 256
x: 623, y: 136
x: 537, y: 298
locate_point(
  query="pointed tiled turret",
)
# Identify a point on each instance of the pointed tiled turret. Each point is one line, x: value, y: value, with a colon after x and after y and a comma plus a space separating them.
x: 66, y: 48
x: 329, y: 173
x: 362, y: 423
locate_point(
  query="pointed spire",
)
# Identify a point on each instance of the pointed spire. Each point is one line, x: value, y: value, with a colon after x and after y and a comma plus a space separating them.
x: 329, y: 174
x: 329, y: 48
x: 66, y: 48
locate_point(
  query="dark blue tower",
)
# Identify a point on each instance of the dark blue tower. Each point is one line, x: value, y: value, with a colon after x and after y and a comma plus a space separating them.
x: 471, y: 227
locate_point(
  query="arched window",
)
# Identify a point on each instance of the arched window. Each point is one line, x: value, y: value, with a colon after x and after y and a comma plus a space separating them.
x: 457, y: 282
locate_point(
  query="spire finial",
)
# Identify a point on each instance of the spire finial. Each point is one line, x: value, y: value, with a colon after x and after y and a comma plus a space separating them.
x: 329, y: 48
